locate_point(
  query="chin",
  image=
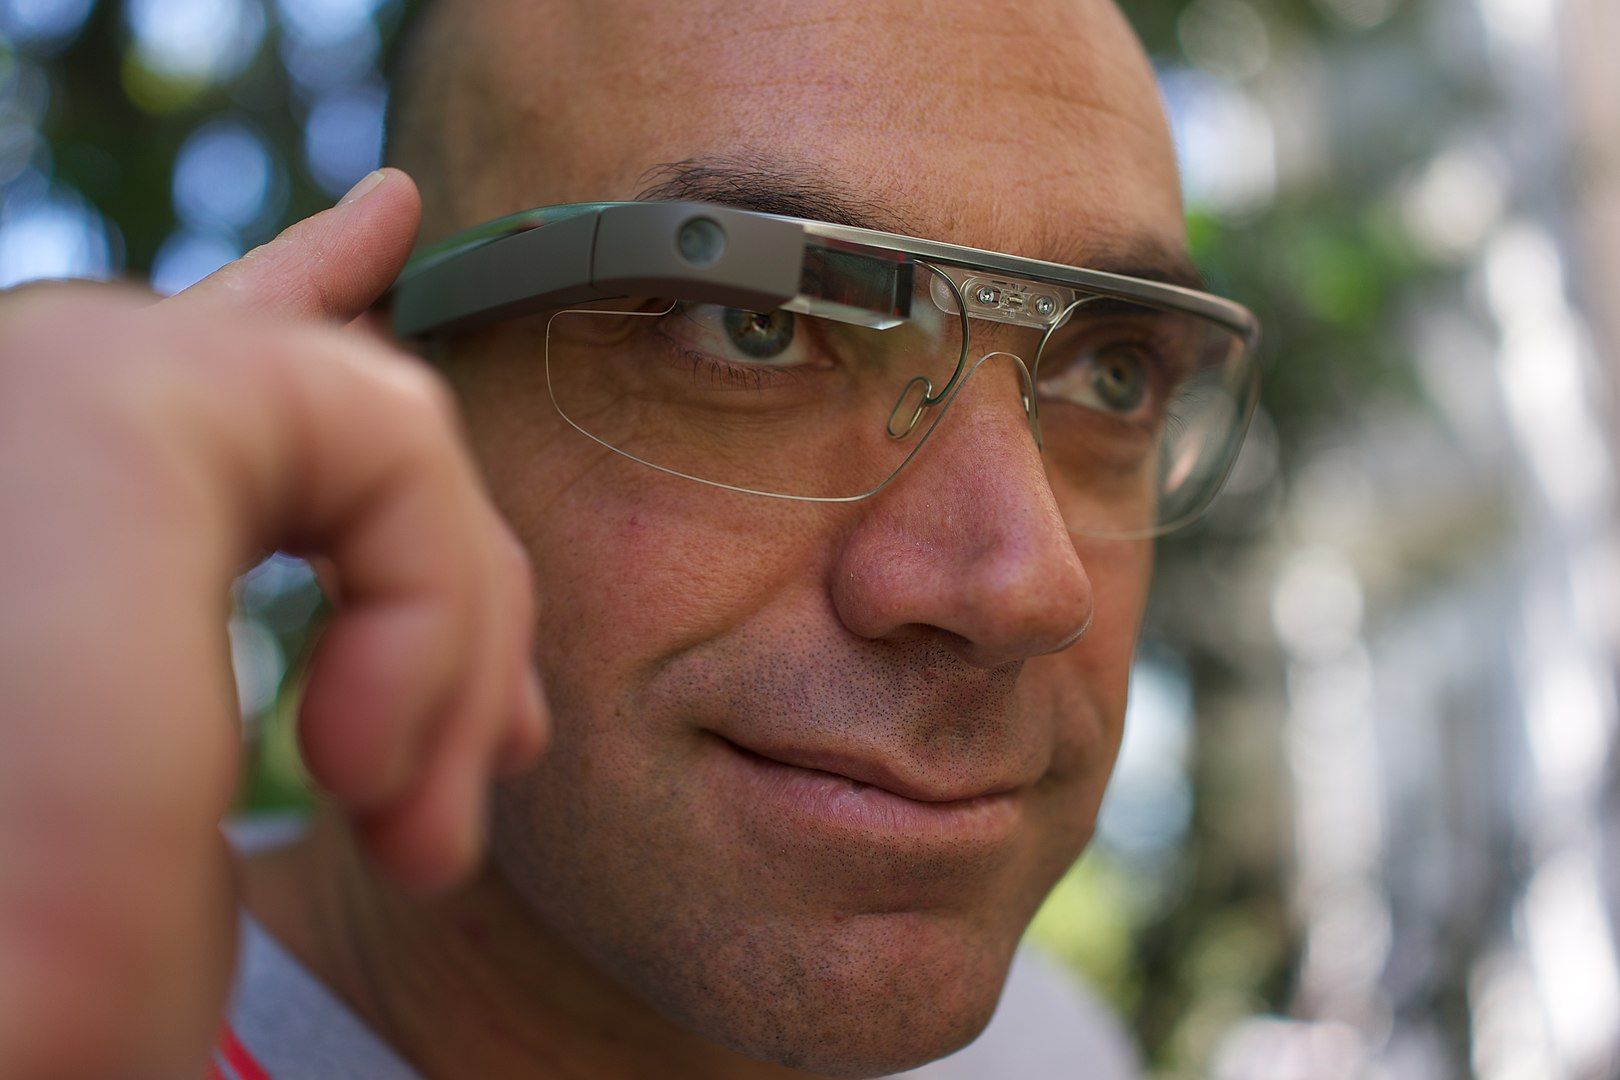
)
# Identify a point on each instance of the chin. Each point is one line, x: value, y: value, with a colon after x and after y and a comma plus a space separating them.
x: 862, y: 997
x: 828, y: 956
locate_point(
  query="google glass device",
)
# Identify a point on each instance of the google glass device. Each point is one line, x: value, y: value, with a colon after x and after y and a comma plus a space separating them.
x: 805, y: 360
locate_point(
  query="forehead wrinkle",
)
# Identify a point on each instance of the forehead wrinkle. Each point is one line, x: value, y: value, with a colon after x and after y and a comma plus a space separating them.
x: 1013, y: 24
x: 1090, y: 82
x: 1074, y: 124
x: 645, y: 54
x: 1044, y: 94
x: 642, y: 52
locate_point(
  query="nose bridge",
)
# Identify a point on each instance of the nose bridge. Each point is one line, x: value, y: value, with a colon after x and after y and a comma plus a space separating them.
x: 994, y: 396
x: 1006, y: 577
x: 1026, y: 384
x: 919, y: 395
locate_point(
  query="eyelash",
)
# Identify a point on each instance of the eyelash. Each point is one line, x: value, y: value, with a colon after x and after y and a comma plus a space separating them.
x: 724, y: 373
x: 759, y: 377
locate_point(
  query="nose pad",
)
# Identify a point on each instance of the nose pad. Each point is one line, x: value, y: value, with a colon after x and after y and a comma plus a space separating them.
x: 901, y: 423
x: 918, y: 395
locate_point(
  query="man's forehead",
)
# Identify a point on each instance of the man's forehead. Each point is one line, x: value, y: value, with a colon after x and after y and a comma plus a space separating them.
x: 1036, y: 130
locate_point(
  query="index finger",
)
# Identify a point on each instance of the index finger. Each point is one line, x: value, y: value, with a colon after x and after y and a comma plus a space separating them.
x: 332, y: 266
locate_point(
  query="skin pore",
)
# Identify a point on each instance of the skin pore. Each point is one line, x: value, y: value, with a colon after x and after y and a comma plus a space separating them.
x: 639, y: 915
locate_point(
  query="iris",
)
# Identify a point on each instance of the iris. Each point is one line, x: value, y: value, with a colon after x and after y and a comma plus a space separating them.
x: 761, y: 335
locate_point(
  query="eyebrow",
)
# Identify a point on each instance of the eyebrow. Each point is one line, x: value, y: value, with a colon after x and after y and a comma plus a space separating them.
x: 1151, y: 264
x: 768, y: 186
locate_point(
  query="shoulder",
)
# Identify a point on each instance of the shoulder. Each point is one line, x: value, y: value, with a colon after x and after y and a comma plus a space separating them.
x: 1049, y: 1026
x: 282, y: 1022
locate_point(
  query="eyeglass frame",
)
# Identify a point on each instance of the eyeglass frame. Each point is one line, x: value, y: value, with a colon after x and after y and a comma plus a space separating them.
x: 559, y: 256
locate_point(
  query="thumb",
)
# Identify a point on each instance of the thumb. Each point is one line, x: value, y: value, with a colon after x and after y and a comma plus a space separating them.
x: 331, y: 266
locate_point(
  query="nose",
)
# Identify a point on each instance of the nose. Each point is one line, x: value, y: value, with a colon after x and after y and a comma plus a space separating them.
x: 968, y: 544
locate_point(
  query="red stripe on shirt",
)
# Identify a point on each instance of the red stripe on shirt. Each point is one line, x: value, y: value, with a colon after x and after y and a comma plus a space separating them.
x: 236, y: 1055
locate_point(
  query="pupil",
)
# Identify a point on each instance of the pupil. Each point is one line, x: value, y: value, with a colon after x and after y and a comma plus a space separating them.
x: 1121, y: 381
x: 760, y: 334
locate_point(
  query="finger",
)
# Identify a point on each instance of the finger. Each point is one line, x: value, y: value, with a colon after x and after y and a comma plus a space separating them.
x: 524, y: 723
x: 402, y: 646
x: 331, y: 266
x: 383, y: 679
x: 378, y: 677
x: 434, y: 833
x: 354, y: 454
x: 432, y: 838
x: 530, y: 732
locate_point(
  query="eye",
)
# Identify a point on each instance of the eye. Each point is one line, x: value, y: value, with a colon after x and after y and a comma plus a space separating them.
x: 747, y: 339
x: 1119, y: 378
x: 758, y: 334
x: 1116, y: 378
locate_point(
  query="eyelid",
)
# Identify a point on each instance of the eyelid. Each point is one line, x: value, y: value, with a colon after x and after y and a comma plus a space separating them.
x: 788, y: 358
x: 1169, y: 367
x: 1162, y: 383
x: 716, y: 354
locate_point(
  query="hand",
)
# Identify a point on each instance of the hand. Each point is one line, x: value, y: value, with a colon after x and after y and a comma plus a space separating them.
x: 148, y: 453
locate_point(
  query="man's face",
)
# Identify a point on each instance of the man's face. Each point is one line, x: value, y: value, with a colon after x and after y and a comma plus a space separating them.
x: 921, y: 638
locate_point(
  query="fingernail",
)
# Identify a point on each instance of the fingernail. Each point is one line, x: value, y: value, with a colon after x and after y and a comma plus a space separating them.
x: 365, y: 187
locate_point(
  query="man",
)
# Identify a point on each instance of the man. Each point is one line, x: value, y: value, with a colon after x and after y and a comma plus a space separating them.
x: 949, y: 636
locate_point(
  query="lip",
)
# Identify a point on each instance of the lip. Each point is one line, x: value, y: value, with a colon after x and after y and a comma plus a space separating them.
x: 868, y: 772
x: 817, y: 788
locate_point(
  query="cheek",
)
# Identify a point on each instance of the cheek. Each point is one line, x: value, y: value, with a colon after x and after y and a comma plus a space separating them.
x: 1120, y: 573
x: 631, y: 566
x: 647, y: 567
x: 1084, y: 688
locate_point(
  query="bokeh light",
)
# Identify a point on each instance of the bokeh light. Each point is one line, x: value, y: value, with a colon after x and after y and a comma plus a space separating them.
x: 343, y: 136
x: 202, y: 40
x: 227, y: 178
x: 1226, y: 38
x: 1149, y: 803
x: 1225, y: 140
x: 43, y: 24
x: 328, y: 22
x: 53, y: 234
x: 187, y: 257
x: 320, y: 66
